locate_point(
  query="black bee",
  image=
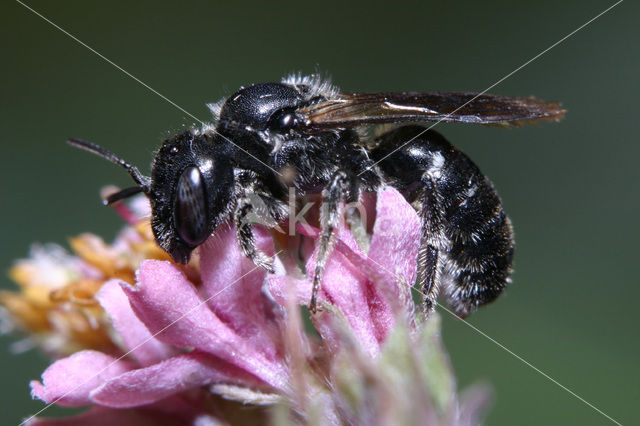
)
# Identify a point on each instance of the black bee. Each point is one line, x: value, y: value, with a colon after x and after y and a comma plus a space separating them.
x: 303, y: 133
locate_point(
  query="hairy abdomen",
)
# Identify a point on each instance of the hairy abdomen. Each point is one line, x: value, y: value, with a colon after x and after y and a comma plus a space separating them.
x: 477, y: 239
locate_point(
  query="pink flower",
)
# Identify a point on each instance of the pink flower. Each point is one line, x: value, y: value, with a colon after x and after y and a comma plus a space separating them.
x: 231, y: 330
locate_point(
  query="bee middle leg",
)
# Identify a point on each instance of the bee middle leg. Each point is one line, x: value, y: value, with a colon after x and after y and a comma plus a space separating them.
x: 340, y: 188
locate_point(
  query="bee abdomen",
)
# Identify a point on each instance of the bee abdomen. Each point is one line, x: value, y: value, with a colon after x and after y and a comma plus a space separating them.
x: 476, y: 235
x: 480, y: 253
x: 478, y: 270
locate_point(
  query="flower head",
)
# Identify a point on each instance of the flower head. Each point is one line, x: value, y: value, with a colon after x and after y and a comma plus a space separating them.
x: 56, y: 304
x: 185, y: 340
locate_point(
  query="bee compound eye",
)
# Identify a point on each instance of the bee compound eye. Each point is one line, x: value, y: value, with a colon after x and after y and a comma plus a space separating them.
x: 190, y: 212
x: 284, y: 120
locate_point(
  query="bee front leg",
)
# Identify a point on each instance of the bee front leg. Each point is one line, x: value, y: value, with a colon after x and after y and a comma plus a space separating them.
x: 247, y: 241
x: 433, y: 243
x: 339, y: 189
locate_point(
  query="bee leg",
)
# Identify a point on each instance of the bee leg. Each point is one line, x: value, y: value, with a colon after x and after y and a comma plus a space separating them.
x: 432, y: 244
x: 339, y: 187
x: 245, y: 236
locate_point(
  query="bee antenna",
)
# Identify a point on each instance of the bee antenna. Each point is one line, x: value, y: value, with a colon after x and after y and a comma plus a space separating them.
x: 143, y: 181
x: 121, y: 195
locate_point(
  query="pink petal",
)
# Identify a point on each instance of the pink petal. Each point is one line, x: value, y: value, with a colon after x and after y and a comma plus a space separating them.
x: 137, y: 338
x: 371, y: 297
x: 69, y: 381
x: 344, y: 285
x: 278, y: 288
x: 168, y: 412
x: 391, y: 261
x: 308, y: 230
x: 232, y: 286
x: 171, y: 308
x: 396, y: 235
x: 175, y: 375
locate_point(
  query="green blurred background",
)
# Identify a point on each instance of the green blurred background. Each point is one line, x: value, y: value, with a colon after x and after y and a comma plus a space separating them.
x: 572, y: 188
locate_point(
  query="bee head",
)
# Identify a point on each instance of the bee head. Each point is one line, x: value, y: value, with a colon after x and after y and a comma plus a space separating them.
x: 190, y: 193
x: 189, y: 189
